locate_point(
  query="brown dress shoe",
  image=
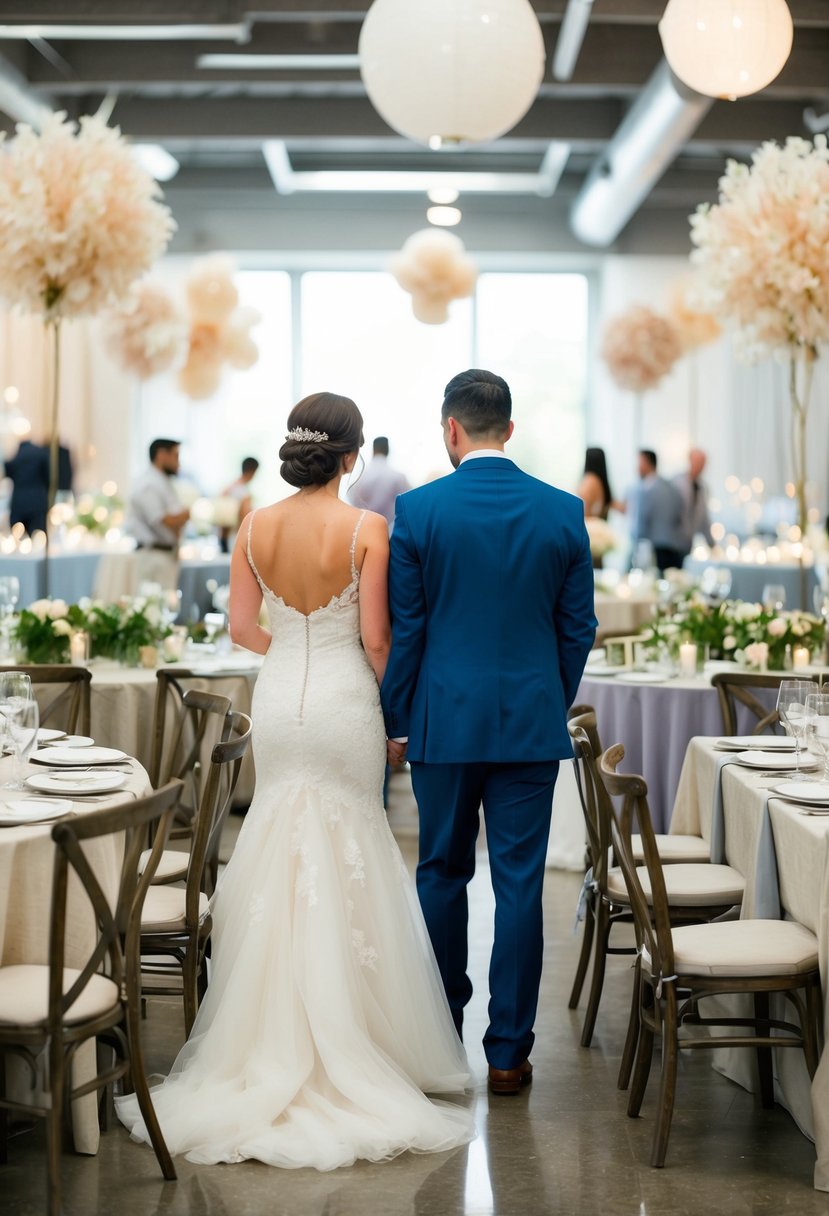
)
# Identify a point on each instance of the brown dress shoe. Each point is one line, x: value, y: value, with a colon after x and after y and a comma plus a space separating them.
x: 510, y: 1080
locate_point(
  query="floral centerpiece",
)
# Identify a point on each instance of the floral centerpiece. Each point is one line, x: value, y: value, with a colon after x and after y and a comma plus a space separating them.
x: 116, y: 631
x: 762, y: 254
x: 731, y: 629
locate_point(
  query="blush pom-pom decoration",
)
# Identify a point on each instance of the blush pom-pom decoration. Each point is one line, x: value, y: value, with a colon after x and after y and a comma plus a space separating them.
x: 694, y: 325
x: 434, y: 268
x: 639, y: 348
x: 147, y: 333
x: 219, y: 328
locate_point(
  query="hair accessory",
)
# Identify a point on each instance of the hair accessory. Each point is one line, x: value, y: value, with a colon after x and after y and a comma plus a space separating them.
x: 301, y: 434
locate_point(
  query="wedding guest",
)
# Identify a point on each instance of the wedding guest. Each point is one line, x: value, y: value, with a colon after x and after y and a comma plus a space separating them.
x: 695, y: 517
x: 156, y: 517
x: 29, y: 471
x: 240, y: 491
x: 380, y: 484
x: 656, y: 510
x: 595, y: 492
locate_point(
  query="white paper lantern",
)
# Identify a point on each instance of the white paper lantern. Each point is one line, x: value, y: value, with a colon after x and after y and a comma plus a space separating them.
x: 726, y: 48
x: 451, y: 71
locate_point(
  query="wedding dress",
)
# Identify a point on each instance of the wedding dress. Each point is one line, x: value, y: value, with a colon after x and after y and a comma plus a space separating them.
x: 325, y: 1022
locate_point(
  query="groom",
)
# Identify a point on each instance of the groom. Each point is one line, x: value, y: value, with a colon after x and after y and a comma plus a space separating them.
x: 491, y: 587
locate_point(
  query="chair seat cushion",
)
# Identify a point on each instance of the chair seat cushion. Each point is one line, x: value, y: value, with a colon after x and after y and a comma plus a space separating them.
x: 675, y: 848
x: 24, y: 995
x: 687, y: 885
x: 173, y: 865
x: 164, y: 910
x: 743, y: 948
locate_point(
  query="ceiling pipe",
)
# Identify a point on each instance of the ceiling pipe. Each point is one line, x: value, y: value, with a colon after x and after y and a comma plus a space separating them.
x: 19, y: 100
x: 570, y: 37
x: 649, y: 137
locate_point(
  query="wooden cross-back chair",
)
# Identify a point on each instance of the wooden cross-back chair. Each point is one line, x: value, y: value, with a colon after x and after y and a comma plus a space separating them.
x: 47, y: 1011
x: 680, y: 966
x: 62, y: 694
x: 735, y: 688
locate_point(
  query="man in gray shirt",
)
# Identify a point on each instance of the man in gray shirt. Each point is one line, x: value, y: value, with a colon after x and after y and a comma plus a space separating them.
x: 657, y: 512
x: 155, y: 516
x: 696, y: 520
x: 380, y: 484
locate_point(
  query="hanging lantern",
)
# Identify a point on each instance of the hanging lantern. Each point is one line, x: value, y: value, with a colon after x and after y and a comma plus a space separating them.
x: 726, y: 48
x: 451, y: 71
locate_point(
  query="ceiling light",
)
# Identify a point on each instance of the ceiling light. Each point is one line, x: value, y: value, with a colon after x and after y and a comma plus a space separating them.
x: 156, y: 160
x: 439, y: 74
x: 261, y: 63
x: 287, y: 180
x: 726, y: 48
x: 239, y: 32
x: 444, y: 217
x: 570, y: 37
x: 443, y: 195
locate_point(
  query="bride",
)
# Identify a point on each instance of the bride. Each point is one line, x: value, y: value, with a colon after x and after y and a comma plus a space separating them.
x: 325, y: 1023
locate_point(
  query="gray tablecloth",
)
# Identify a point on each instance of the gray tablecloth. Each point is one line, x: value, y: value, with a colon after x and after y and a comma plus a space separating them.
x: 747, y: 582
x: 69, y: 576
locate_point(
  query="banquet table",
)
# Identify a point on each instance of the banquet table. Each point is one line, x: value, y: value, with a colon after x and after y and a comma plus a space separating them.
x: 26, y: 857
x: 749, y: 579
x: 783, y: 854
x: 116, y: 575
x: 70, y: 574
x: 623, y: 612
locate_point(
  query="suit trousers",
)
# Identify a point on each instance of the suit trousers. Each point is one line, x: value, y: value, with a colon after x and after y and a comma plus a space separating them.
x: 517, y: 803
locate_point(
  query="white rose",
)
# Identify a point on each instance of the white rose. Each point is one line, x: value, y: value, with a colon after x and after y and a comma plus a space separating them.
x: 153, y: 614
x: 62, y: 628
x: 799, y: 628
x: 58, y: 608
x: 40, y: 608
x: 729, y: 642
x: 777, y: 627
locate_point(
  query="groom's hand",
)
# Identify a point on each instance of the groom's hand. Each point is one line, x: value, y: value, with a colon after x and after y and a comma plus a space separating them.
x: 396, y: 751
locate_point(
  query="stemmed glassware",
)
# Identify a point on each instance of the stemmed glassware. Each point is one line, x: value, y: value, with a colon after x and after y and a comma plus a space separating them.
x: 791, y: 706
x: 22, y: 720
x: 9, y: 596
x: 774, y: 597
x: 817, y: 727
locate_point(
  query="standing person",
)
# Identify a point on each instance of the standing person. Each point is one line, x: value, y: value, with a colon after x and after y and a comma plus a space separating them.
x: 380, y: 484
x: 695, y: 517
x: 155, y: 516
x: 29, y: 472
x: 239, y: 491
x: 656, y: 511
x: 595, y: 492
x: 324, y: 1023
x: 491, y: 592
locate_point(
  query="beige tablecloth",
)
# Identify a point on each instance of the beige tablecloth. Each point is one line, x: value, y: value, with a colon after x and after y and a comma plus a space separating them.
x: 26, y: 857
x: 621, y: 614
x: 784, y: 856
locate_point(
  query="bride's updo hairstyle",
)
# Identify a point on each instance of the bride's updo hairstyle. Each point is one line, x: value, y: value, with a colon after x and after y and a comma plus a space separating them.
x: 322, y: 429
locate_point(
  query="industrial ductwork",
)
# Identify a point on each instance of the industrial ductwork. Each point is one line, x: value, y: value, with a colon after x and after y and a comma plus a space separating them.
x: 651, y: 134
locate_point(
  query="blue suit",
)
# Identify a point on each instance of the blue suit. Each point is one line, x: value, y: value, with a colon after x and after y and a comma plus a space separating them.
x: 491, y: 590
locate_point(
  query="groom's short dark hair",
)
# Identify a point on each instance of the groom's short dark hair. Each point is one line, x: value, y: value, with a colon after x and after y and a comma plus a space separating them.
x: 480, y: 401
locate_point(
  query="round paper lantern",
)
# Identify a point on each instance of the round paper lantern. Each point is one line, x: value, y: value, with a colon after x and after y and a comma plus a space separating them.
x: 726, y: 48
x: 451, y: 71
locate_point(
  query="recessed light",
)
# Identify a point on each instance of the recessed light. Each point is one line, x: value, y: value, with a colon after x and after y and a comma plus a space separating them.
x: 444, y: 217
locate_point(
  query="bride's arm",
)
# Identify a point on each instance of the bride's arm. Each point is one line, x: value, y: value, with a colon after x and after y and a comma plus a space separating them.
x: 245, y: 601
x: 375, y: 626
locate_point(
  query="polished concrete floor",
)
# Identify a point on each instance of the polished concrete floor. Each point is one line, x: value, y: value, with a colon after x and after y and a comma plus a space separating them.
x: 564, y: 1146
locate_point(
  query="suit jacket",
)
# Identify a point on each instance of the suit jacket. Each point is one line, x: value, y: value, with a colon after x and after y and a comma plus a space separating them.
x: 491, y: 592
x: 658, y: 514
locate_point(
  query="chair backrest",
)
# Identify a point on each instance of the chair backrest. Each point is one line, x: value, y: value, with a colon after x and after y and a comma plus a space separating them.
x: 187, y: 722
x: 735, y: 687
x: 220, y: 782
x: 118, y: 918
x: 586, y: 750
x: 62, y: 694
x: 651, y: 916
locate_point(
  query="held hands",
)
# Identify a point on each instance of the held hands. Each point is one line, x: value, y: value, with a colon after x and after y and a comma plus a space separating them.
x: 395, y: 752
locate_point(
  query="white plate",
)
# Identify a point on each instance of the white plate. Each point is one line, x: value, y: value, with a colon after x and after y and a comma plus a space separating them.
x: 764, y: 743
x: 810, y: 792
x: 604, y: 669
x: 84, y: 756
x: 16, y: 812
x: 784, y: 761
x: 76, y: 783
x: 77, y: 741
x: 47, y: 735
x: 643, y: 677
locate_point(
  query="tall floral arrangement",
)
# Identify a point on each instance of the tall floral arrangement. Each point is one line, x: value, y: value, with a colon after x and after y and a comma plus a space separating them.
x: 219, y: 329
x: 80, y: 220
x: 434, y: 268
x: 147, y: 332
x: 762, y: 253
x: 639, y: 348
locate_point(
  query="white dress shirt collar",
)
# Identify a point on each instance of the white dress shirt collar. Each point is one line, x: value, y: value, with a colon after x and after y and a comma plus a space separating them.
x: 479, y: 452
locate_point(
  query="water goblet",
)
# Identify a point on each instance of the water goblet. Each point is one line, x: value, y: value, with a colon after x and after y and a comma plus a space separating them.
x: 817, y: 727
x: 22, y: 720
x: 15, y: 684
x: 773, y: 597
x: 791, y: 706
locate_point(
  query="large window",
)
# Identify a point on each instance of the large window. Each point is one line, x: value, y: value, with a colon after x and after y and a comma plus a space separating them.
x: 353, y: 332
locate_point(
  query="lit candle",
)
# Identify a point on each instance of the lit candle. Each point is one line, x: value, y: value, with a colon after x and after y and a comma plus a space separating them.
x: 800, y: 657
x: 688, y: 658
x: 79, y: 648
x: 761, y: 651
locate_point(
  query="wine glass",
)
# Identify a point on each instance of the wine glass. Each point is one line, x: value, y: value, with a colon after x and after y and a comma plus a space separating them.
x: 817, y: 727
x: 15, y: 685
x: 774, y: 597
x: 9, y: 595
x: 22, y: 720
x: 791, y: 706
x: 214, y: 622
